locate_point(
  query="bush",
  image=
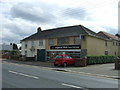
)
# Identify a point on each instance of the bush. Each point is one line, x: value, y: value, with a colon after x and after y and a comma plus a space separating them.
x: 100, y: 59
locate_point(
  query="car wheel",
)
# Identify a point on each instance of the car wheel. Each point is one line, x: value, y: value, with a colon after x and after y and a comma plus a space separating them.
x: 65, y: 64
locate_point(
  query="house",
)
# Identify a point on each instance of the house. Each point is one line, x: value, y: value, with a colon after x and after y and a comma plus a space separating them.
x: 76, y: 40
x: 113, y: 43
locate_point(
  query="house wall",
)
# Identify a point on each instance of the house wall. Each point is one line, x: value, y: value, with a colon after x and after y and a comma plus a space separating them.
x: 96, y: 46
x: 113, y: 48
x: 71, y: 42
x: 31, y: 53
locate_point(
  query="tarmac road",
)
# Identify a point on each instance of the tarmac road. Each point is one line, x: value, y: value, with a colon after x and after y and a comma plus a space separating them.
x: 26, y: 76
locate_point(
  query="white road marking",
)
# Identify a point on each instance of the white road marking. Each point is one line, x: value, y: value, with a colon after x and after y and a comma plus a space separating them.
x: 23, y: 74
x: 71, y: 85
x: 70, y: 71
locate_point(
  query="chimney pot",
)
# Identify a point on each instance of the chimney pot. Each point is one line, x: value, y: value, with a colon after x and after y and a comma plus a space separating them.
x: 39, y: 29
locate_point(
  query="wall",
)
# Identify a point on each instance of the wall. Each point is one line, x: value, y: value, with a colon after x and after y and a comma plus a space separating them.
x: 96, y: 46
x: 112, y: 48
x: 31, y: 53
x: 71, y: 42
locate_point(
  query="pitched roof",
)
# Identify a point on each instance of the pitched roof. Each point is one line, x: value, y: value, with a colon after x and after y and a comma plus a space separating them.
x: 62, y: 32
x: 108, y: 36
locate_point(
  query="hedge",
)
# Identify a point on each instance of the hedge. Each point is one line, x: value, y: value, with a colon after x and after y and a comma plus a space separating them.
x: 100, y: 59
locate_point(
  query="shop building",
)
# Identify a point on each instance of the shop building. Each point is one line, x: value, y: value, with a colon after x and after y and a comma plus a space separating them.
x: 77, y: 40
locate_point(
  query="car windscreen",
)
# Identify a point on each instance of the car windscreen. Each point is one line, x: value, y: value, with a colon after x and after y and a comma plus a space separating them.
x: 58, y: 57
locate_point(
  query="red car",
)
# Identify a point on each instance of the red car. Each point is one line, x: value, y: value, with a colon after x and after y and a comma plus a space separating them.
x: 64, y: 60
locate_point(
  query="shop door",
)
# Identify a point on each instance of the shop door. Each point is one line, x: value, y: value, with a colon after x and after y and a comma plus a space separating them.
x: 41, y: 54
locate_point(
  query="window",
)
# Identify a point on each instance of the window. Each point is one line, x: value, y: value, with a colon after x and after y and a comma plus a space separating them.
x: 115, y: 53
x: 68, y: 57
x: 58, y: 56
x: 106, y: 52
x: 64, y: 40
x: 32, y: 43
x: 26, y: 45
x: 116, y: 43
x: 106, y: 43
x: 40, y: 42
x: 25, y: 53
x: 113, y: 43
x: 77, y: 40
x: 51, y: 41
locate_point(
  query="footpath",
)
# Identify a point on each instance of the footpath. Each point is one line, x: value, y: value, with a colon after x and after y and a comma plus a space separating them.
x: 101, y: 70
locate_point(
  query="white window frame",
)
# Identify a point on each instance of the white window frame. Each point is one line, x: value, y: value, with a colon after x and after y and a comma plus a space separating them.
x: 40, y: 42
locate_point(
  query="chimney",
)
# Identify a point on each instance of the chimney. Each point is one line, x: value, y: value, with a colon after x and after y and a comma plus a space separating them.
x: 39, y: 29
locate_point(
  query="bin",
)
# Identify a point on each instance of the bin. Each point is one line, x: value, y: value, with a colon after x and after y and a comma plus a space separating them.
x: 81, y: 62
x: 117, y: 64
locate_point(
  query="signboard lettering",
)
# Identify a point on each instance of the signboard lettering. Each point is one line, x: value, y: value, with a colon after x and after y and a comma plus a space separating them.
x: 66, y: 47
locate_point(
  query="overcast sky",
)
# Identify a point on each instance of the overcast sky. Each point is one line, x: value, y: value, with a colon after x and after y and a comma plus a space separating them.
x: 20, y: 18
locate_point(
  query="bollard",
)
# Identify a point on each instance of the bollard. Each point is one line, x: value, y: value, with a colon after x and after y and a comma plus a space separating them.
x: 117, y: 64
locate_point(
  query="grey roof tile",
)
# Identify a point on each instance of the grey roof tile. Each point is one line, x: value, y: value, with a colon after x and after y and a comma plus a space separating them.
x: 61, y: 32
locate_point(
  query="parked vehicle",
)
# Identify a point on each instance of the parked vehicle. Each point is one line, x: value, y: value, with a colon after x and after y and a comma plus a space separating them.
x: 63, y: 60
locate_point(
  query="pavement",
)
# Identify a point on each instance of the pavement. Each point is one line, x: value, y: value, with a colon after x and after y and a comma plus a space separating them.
x: 101, y: 70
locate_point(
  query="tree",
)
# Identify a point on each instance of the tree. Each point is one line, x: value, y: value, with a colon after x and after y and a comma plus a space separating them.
x: 118, y: 35
x: 15, y: 47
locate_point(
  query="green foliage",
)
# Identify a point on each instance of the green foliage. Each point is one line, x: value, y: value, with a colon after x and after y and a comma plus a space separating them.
x: 15, y: 47
x: 100, y: 59
x: 118, y: 35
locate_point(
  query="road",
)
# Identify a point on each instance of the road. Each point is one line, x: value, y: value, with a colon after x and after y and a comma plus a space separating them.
x: 27, y: 76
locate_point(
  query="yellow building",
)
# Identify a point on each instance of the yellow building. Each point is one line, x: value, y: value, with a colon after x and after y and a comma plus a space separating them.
x: 76, y: 40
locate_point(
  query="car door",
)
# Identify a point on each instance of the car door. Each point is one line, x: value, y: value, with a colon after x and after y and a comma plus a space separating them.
x: 67, y: 59
x: 59, y: 59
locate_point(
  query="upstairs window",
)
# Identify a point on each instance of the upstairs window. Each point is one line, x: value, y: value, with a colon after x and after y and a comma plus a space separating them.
x: 113, y: 43
x: 51, y: 41
x: 106, y: 43
x: 116, y: 43
x: 64, y: 40
x: 76, y: 40
x: 32, y: 43
x: 26, y: 45
x: 40, y: 42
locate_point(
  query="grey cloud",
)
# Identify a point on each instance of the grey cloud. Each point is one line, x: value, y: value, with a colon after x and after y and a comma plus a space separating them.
x: 11, y: 38
x: 111, y: 30
x: 76, y: 13
x: 22, y: 30
x: 32, y: 13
